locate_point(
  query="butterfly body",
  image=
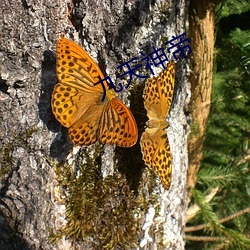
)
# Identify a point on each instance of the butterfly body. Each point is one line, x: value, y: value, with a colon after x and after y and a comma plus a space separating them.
x: 77, y: 104
x: 157, y: 123
x: 158, y: 93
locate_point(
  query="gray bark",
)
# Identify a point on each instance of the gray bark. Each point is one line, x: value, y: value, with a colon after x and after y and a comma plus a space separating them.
x: 32, y: 142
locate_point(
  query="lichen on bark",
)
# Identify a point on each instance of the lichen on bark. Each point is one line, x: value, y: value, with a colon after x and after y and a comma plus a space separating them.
x: 33, y: 143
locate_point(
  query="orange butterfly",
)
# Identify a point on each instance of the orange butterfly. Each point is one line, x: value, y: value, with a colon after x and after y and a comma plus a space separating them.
x: 77, y: 105
x: 158, y: 93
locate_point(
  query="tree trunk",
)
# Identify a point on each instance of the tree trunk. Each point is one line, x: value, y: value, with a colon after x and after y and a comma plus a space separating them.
x: 201, y: 23
x: 54, y: 196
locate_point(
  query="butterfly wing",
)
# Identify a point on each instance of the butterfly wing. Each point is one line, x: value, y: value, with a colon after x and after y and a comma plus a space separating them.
x: 117, y: 125
x: 158, y: 93
x: 156, y: 153
x: 77, y: 105
x: 85, y: 130
x: 75, y: 92
x: 76, y: 68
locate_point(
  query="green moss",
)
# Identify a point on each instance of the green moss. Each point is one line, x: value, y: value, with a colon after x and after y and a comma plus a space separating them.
x: 165, y: 9
x: 19, y: 140
x: 28, y: 133
x: 105, y: 212
x: 195, y: 129
x: 5, y: 161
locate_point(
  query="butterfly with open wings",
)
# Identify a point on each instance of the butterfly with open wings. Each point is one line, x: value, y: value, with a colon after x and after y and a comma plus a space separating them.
x: 158, y: 94
x: 77, y: 105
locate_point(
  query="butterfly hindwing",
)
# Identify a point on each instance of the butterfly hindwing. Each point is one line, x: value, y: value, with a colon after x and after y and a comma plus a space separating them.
x: 156, y: 153
x: 85, y: 130
x: 118, y: 125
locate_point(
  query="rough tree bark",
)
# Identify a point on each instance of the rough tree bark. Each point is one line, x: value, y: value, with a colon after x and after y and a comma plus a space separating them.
x: 37, y: 160
x: 201, y: 23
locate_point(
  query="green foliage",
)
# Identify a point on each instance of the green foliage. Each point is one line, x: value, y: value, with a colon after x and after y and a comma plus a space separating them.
x: 230, y: 7
x: 218, y: 176
x: 226, y: 153
x: 207, y: 211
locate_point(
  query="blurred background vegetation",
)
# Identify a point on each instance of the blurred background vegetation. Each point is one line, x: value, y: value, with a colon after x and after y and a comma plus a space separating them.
x: 224, y: 221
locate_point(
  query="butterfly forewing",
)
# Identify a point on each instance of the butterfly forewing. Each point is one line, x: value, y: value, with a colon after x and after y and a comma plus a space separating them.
x: 75, y: 67
x: 158, y: 92
x: 63, y: 105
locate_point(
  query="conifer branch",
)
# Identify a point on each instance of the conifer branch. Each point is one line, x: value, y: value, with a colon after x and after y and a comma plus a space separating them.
x: 230, y: 217
x: 245, y: 159
x: 194, y: 209
x: 205, y: 238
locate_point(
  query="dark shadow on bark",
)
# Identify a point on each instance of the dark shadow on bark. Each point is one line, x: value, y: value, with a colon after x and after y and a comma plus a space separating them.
x: 48, y: 81
x: 3, y: 86
x: 61, y: 144
x: 76, y: 16
x: 130, y: 159
x: 9, y: 240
